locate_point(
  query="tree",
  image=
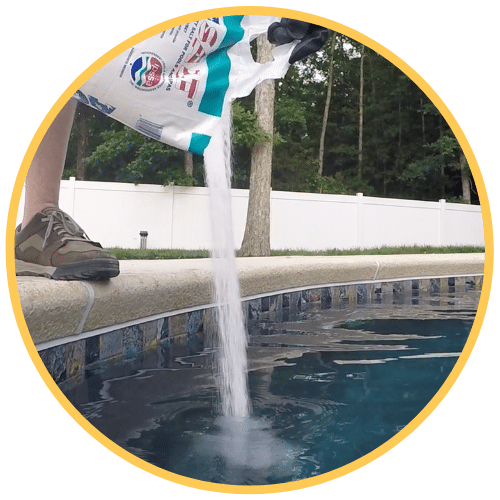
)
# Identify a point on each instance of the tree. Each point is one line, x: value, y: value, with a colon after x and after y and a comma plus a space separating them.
x: 256, y: 240
x: 82, y: 117
x: 327, y: 107
x: 361, y: 94
x: 465, y: 173
x: 188, y: 163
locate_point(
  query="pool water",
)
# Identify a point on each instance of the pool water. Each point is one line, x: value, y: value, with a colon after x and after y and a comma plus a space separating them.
x: 326, y: 386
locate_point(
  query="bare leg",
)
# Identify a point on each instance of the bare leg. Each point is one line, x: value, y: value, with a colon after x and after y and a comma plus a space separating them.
x: 44, y: 175
x: 51, y: 244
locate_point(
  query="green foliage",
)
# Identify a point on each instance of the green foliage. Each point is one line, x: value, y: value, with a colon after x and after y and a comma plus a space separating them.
x: 115, y: 144
x: 437, y: 167
x: 326, y: 185
x: 127, y: 156
x: 293, y: 163
x: 246, y: 130
x: 292, y: 117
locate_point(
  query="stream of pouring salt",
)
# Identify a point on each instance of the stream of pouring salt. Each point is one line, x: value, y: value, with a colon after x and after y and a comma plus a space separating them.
x: 232, y: 343
x: 243, y: 442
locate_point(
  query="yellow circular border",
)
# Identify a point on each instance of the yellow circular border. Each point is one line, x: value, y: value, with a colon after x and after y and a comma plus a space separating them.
x: 485, y: 209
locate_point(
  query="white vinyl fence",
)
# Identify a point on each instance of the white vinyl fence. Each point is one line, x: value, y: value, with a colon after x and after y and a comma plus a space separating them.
x: 178, y: 217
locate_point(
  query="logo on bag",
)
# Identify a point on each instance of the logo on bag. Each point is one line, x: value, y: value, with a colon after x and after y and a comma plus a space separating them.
x: 147, y: 72
x: 203, y: 43
x: 187, y: 81
x: 187, y: 76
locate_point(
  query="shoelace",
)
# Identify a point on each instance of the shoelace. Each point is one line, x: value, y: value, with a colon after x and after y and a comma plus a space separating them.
x: 64, y: 225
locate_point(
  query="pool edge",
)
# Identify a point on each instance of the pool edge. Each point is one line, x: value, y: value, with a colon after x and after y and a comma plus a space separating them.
x: 56, y: 312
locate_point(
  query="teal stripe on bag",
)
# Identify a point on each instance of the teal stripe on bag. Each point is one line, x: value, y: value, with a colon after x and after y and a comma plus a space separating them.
x: 198, y: 143
x: 219, y: 65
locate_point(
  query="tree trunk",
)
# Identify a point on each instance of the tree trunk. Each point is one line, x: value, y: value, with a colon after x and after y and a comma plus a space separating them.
x: 423, y: 119
x: 465, y: 178
x: 188, y: 163
x: 327, y: 108
x: 257, y: 239
x: 443, y: 163
x: 361, y: 91
x: 82, y: 151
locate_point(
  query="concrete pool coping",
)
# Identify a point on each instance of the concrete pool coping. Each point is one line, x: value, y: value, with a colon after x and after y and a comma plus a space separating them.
x: 145, y: 290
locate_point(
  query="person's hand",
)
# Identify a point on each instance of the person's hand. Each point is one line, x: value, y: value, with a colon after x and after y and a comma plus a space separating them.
x: 312, y: 37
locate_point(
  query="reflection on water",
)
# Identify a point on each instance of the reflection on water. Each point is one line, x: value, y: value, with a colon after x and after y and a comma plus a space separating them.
x: 327, y: 387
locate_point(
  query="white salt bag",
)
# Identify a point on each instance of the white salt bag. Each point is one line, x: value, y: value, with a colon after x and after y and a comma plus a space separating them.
x: 174, y: 86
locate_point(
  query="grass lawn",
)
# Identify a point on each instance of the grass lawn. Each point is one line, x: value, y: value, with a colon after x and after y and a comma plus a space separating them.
x: 159, y: 253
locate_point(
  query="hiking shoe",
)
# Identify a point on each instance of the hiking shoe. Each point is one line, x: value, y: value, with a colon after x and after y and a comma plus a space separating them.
x: 55, y: 246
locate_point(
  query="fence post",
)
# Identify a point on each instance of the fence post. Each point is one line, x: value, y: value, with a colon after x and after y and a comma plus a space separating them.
x: 359, y: 220
x: 171, y: 192
x: 442, y: 222
x: 71, y: 204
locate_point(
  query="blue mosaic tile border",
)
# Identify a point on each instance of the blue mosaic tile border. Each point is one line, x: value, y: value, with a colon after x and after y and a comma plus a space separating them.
x: 69, y: 360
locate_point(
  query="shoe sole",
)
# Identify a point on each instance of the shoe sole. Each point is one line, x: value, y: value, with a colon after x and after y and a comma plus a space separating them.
x: 95, y: 270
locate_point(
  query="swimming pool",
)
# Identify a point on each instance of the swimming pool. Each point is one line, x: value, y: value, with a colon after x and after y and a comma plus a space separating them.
x: 329, y: 383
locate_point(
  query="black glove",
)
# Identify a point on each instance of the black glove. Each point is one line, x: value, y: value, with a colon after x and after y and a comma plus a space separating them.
x: 312, y: 37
